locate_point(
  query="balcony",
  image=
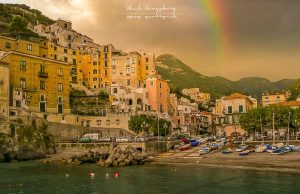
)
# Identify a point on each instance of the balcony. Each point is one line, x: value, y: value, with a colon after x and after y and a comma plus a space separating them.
x: 43, y: 74
x: 73, y: 73
x: 29, y: 89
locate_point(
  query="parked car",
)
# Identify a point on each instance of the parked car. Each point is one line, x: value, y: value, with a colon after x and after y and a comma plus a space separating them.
x: 85, y: 140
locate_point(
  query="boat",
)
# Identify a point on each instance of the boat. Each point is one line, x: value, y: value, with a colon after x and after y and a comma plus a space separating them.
x: 262, y: 148
x: 296, y: 148
x: 204, y: 150
x: 226, y: 151
x: 244, y: 153
x: 213, y: 146
x: 185, y: 147
x: 241, y: 148
x: 194, y: 142
x: 282, y: 150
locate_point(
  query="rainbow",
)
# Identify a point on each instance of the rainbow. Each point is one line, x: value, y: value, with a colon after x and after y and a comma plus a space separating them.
x: 221, y: 29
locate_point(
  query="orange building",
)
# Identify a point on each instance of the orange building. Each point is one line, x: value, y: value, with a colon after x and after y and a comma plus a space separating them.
x: 158, y: 92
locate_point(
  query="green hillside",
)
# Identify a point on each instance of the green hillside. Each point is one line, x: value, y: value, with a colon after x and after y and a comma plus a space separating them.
x: 14, y: 19
x: 182, y: 76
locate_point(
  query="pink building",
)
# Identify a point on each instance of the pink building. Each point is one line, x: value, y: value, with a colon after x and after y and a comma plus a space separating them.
x: 158, y: 91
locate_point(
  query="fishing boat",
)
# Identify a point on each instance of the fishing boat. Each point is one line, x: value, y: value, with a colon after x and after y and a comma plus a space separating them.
x: 204, y: 150
x: 282, y: 150
x: 226, y: 151
x: 194, y: 142
x: 185, y: 147
x: 241, y: 148
x: 296, y: 148
x: 213, y: 146
x: 262, y: 148
x: 244, y: 153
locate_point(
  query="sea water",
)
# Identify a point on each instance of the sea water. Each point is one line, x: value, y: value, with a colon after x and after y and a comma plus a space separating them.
x: 35, y: 177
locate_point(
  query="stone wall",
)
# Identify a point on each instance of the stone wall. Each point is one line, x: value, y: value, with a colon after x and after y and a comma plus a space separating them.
x: 67, y: 132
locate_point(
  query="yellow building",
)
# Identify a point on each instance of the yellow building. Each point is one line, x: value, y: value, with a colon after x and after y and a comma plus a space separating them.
x: 4, y: 97
x: 96, y: 67
x: 269, y: 98
x: 38, y: 83
x: 147, y: 64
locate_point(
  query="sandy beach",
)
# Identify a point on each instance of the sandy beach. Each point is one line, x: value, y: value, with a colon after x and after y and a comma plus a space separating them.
x: 259, y: 161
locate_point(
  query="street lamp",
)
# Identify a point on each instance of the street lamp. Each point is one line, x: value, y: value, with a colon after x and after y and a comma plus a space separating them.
x: 273, y: 136
x: 288, y: 133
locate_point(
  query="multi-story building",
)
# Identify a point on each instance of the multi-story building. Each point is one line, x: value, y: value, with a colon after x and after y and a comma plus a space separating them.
x: 96, y: 67
x: 195, y: 94
x: 147, y: 64
x: 63, y: 34
x: 269, y: 98
x: 38, y: 83
x: 126, y: 70
x: 4, y: 97
x: 158, y: 91
x: 228, y: 109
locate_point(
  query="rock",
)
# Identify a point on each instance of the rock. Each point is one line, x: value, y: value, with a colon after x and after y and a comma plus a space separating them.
x: 96, y: 155
x: 115, y: 163
x: 122, y: 164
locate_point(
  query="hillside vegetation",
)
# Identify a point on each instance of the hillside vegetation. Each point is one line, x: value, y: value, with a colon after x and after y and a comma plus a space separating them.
x: 182, y: 76
x: 14, y: 19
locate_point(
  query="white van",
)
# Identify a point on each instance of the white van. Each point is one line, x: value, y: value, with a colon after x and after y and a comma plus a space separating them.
x: 92, y: 136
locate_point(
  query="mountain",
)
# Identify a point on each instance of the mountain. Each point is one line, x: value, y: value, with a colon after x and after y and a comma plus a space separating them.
x: 295, y: 89
x: 14, y: 19
x: 182, y: 76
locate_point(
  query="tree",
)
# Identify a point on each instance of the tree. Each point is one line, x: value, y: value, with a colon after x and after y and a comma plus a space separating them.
x: 18, y: 25
x: 253, y: 119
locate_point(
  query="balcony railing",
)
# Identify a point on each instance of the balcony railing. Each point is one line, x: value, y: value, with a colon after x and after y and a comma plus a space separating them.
x: 29, y: 89
x: 43, y: 74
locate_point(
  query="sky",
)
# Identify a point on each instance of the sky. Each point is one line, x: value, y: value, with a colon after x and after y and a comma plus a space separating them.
x: 229, y: 38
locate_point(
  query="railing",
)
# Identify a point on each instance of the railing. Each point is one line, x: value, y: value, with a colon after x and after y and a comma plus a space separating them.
x: 43, y: 74
x: 30, y: 89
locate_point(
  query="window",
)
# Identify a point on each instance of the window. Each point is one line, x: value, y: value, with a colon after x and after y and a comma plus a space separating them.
x: 8, y: 45
x: 278, y: 97
x: 42, y: 68
x: 94, y: 79
x: 74, y: 52
x: 160, y: 85
x: 66, y: 59
x: 66, y: 25
x: 115, y: 90
x: 106, y: 49
x: 69, y: 37
x: 60, y: 87
x: 147, y: 59
x: 55, y: 48
x: 113, y: 62
x: 22, y: 83
x: 107, y: 122
x: 94, y: 71
x: 29, y: 47
x: 60, y: 71
x: 55, y: 57
x: 241, y: 108
x: 147, y: 67
x: 74, y: 61
x: 42, y: 98
x: 98, y: 122
x: 118, y: 121
x: 42, y: 85
x: 152, y: 83
x: 132, y: 61
x: 23, y: 65
x: 59, y: 100
x: 65, y: 50
x: 94, y: 63
x: 229, y: 109
x: 69, y: 45
x: 105, y: 64
x: 128, y: 82
x: 160, y: 94
x: 132, y: 69
x: 127, y: 70
x: 105, y: 56
x: 106, y: 74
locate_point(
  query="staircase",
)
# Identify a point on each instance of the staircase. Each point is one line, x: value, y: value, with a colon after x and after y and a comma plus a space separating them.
x: 83, y: 88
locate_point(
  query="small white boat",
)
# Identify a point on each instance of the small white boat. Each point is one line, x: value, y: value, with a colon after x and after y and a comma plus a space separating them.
x: 261, y: 148
x: 241, y: 148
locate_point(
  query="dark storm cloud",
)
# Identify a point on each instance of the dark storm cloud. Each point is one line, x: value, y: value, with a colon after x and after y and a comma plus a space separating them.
x: 265, y: 33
